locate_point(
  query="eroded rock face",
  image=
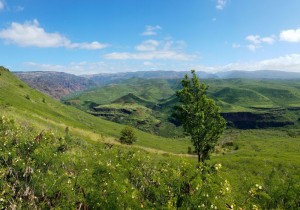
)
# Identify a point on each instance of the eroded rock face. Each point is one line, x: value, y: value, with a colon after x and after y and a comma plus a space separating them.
x: 248, y: 120
x: 55, y: 84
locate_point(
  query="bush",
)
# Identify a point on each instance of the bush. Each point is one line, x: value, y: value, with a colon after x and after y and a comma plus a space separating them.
x: 39, y: 170
x: 128, y: 135
x: 48, y: 170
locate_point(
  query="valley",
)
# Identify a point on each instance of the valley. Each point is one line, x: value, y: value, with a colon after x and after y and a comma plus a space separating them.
x: 249, y: 157
x: 147, y: 103
x: 150, y: 104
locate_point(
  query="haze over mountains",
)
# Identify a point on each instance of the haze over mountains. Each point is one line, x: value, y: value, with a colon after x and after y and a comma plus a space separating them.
x: 58, y: 84
x: 260, y: 74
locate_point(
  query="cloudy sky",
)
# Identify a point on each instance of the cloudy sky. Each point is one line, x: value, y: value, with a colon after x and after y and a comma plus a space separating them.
x: 94, y: 36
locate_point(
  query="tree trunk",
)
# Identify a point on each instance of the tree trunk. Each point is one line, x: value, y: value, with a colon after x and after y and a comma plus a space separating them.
x: 200, y: 156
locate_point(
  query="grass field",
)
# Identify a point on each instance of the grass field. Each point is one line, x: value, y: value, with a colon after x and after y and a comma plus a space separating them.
x: 261, y: 152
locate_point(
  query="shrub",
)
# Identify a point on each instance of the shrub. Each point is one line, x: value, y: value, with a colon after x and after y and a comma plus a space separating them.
x: 190, y: 150
x: 128, y: 135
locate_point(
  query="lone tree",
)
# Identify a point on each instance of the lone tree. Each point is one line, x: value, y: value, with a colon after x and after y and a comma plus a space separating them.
x: 128, y: 135
x: 199, y: 116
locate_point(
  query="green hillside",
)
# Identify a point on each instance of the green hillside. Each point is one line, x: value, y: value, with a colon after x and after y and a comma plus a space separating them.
x: 131, y: 98
x: 237, y: 96
x: 150, y: 90
x: 53, y: 156
x: 240, y: 94
x: 26, y: 104
x: 267, y: 103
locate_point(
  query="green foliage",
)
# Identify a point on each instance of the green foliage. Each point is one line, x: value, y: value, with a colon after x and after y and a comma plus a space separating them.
x: 199, y: 115
x: 35, y: 173
x: 33, y: 169
x: 267, y: 158
x: 280, y: 190
x: 128, y: 135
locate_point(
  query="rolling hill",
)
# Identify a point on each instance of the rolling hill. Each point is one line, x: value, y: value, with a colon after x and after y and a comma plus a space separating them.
x: 25, y: 104
x: 56, y: 156
x: 245, y: 103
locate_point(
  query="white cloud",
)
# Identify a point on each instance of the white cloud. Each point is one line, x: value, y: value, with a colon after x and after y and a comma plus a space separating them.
x: 147, y: 63
x: 253, y: 47
x: 80, y: 68
x: 291, y: 35
x: 1, y: 5
x: 290, y: 62
x: 76, y: 68
x: 151, y: 30
x: 268, y: 40
x: 256, y: 41
x: 221, y: 4
x: 87, y: 46
x: 31, y: 34
x: 156, y: 55
x: 148, y: 45
x: 154, y: 50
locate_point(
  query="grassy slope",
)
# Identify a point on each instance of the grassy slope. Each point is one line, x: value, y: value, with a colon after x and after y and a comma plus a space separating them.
x: 255, y: 93
x: 25, y: 104
x: 231, y: 94
x: 259, y: 151
x: 150, y: 90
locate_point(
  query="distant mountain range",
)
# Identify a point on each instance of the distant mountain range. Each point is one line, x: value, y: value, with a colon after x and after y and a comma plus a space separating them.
x: 104, y: 79
x: 58, y: 84
x: 262, y: 74
x: 55, y: 84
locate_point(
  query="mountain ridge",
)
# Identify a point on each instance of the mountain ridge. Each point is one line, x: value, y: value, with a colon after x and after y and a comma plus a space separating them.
x: 59, y: 84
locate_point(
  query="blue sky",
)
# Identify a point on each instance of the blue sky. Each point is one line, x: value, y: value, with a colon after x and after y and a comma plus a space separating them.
x: 95, y: 36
